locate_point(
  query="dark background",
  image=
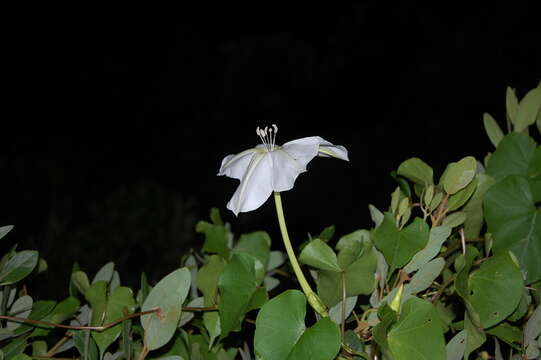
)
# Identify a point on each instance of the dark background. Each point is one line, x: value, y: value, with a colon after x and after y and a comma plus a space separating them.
x: 117, y: 119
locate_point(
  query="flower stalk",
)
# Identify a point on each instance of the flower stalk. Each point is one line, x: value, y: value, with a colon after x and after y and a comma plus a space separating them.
x: 311, y: 296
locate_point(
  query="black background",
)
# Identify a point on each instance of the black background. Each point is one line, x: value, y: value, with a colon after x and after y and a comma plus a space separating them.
x: 104, y: 101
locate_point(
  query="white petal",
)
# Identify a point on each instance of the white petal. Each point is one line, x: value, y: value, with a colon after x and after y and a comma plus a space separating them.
x: 235, y: 166
x: 285, y: 170
x: 327, y: 149
x: 255, y: 185
x: 303, y: 150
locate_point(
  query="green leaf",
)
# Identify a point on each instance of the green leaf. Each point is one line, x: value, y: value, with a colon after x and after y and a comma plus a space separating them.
x: 532, y: 329
x: 506, y: 332
x: 528, y: 109
x: 456, y: 346
x: 168, y: 296
x: 4, y: 230
x: 80, y: 281
x: 22, y: 307
x: 475, y: 337
x: 256, y: 244
x: 237, y: 284
x: 511, y: 103
x: 418, y: 320
x: 515, y: 223
x: 461, y: 197
x: 281, y: 333
x: 40, y: 309
x: 96, y: 295
x: 105, y: 273
x: 85, y: 345
x: 437, y: 237
x: 119, y: 301
x: 335, y: 312
x: 425, y: 276
x: 474, y: 208
x: 207, y: 278
x: 327, y: 233
x: 352, y: 246
x: 498, y: 279
x: 512, y: 157
x: 63, y: 311
x: 454, y: 219
x: 495, y: 134
x: 215, y: 216
x: 319, y: 255
x: 216, y: 238
x: 417, y: 171
x: 458, y: 175
x: 399, y: 246
x: 18, y: 267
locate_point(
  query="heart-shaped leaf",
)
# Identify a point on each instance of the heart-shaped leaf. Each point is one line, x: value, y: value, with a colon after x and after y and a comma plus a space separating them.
x: 497, y: 278
x: 167, y: 296
x: 512, y: 157
x: 281, y: 333
x: 399, y: 246
x: 515, y: 222
x: 418, y: 333
x: 319, y: 255
x: 237, y: 285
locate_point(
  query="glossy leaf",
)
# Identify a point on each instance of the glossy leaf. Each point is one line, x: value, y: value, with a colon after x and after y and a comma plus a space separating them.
x: 528, y: 109
x: 319, y: 255
x: 418, y: 333
x: 207, y: 278
x: 119, y: 301
x: 493, y: 130
x: 437, y: 237
x: 417, y: 171
x: 399, y: 246
x: 168, y: 296
x: 281, y: 333
x: 216, y: 238
x: 85, y: 345
x: 515, y: 223
x: 5, y: 229
x: 511, y: 104
x: 512, y: 157
x: 497, y: 278
x: 237, y: 284
x: 458, y: 175
x: 18, y: 267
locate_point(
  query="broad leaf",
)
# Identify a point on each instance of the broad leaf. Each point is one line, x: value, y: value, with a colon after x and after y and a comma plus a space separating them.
x: 417, y: 171
x: 237, y: 284
x: 512, y: 157
x: 458, y: 175
x: 319, y: 255
x: 515, y: 222
x: 281, y: 333
x: 216, y: 238
x: 399, y: 246
x: 207, y: 278
x: 18, y: 267
x: 167, y: 296
x: 86, y: 345
x: 437, y: 237
x: 495, y: 289
x: 495, y: 134
x: 528, y: 109
x: 119, y: 301
x: 418, y: 333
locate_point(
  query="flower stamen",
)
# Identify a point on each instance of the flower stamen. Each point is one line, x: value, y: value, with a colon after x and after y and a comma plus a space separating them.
x: 268, y: 136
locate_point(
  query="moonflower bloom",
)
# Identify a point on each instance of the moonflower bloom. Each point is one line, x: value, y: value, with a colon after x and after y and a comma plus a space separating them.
x: 269, y: 167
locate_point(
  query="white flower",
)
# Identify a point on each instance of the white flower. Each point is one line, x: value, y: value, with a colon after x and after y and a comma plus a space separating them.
x: 269, y: 167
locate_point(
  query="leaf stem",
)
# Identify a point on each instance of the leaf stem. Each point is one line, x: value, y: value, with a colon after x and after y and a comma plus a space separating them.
x: 312, y: 297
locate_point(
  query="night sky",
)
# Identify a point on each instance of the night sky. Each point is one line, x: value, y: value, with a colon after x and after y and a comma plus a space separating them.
x: 118, y: 118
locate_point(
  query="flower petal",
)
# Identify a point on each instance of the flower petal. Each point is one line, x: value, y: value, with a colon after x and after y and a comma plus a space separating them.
x: 235, y: 166
x: 255, y: 185
x: 303, y: 150
x: 327, y: 149
x: 285, y: 169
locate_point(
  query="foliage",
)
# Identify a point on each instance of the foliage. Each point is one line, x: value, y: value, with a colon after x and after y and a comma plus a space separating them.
x: 450, y: 270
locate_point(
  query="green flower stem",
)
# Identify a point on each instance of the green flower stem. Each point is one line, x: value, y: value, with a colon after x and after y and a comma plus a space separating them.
x: 312, y: 297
